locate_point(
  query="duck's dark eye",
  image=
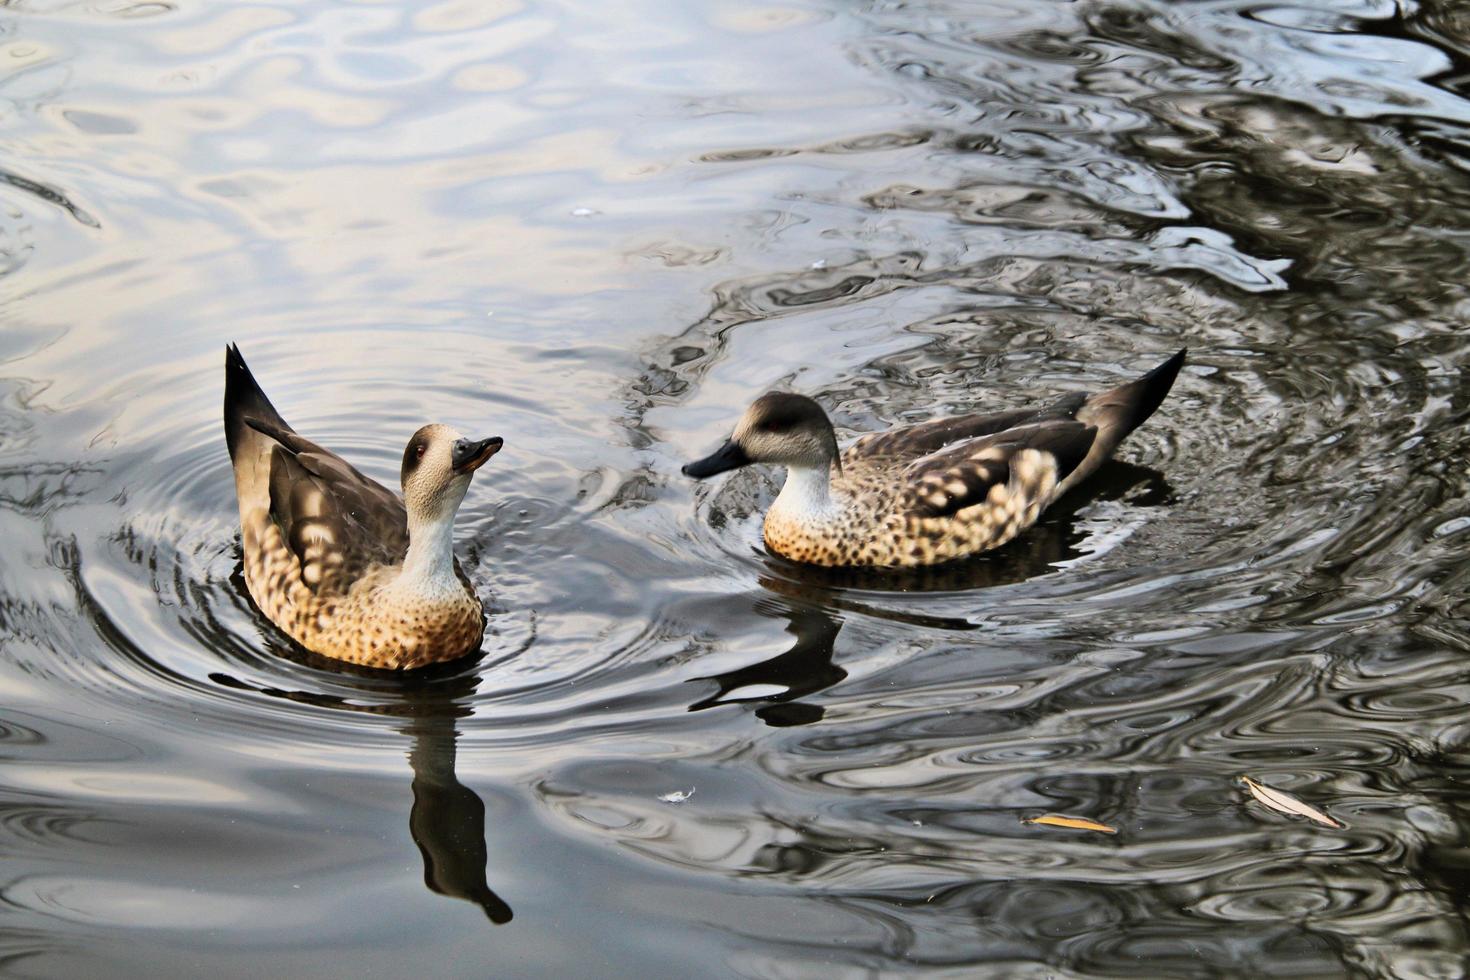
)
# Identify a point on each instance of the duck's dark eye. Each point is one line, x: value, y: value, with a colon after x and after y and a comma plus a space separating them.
x: 413, y: 454
x: 771, y: 425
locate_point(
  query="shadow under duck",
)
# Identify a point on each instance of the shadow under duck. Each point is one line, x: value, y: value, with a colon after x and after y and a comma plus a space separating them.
x: 932, y: 492
x: 336, y: 559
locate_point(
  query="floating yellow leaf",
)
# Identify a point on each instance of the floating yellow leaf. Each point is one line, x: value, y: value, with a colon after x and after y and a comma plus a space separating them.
x: 1073, y: 823
x: 1282, y: 803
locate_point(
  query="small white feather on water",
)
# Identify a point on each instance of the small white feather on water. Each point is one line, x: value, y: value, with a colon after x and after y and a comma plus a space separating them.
x: 1285, y: 803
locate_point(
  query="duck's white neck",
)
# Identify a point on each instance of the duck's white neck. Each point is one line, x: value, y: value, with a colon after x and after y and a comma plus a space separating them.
x: 428, y: 569
x: 807, y: 494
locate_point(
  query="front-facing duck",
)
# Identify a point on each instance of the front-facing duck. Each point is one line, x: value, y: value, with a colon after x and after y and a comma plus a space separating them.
x: 931, y: 492
x: 337, y: 560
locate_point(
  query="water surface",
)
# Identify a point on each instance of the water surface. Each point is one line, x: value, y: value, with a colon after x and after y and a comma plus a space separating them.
x: 598, y: 230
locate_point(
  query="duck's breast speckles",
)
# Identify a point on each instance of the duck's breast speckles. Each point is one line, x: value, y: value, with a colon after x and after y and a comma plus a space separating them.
x: 867, y: 530
x: 365, y: 626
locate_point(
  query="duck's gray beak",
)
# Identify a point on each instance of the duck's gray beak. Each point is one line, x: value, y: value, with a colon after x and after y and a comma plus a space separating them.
x: 469, y: 455
x: 728, y: 457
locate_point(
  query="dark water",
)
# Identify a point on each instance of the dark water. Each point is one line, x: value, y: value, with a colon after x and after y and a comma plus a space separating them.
x: 598, y: 229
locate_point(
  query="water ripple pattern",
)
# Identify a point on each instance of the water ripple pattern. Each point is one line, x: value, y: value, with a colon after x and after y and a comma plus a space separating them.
x: 599, y: 230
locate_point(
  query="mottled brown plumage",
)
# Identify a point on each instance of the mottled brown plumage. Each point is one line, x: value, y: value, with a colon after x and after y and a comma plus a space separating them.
x: 932, y: 492
x: 337, y: 560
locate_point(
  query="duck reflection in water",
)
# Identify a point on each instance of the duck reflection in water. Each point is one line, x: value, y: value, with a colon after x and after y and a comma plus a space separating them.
x: 447, y: 820
x: 804, y: 669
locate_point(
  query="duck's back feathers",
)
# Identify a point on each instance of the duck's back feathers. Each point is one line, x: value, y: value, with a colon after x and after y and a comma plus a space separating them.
x: 336, y: 521
x: 924, y: 438
x: 372, y: 517
x: 283, y: 434
x: 960, y: 476
x: 1114, y: 413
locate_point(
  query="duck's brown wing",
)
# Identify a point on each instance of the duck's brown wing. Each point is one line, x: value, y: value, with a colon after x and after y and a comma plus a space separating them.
x: 961, y: 475
x: 914, y: 441
x: 336, y: 521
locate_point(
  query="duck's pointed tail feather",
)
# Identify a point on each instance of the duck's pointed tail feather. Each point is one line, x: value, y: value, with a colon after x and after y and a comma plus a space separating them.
x: 1118, y: 411
x: 244, y: 400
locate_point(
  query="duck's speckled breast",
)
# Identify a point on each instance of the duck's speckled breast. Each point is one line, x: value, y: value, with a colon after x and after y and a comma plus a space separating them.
x: 362, y: 622
x: 868, y: 526
x: 850, y: 530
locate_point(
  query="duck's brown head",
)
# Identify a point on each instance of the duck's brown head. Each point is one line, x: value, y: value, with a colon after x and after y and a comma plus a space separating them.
x: 778, y: 427
x: 437, y: 466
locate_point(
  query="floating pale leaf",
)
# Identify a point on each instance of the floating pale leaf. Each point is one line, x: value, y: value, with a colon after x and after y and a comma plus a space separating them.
x: 1072, y: 823
x: 1283, y: 803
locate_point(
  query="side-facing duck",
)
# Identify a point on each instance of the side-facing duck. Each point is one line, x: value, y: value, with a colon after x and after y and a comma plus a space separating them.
x: 337, y: 560
x: 931, y: 492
